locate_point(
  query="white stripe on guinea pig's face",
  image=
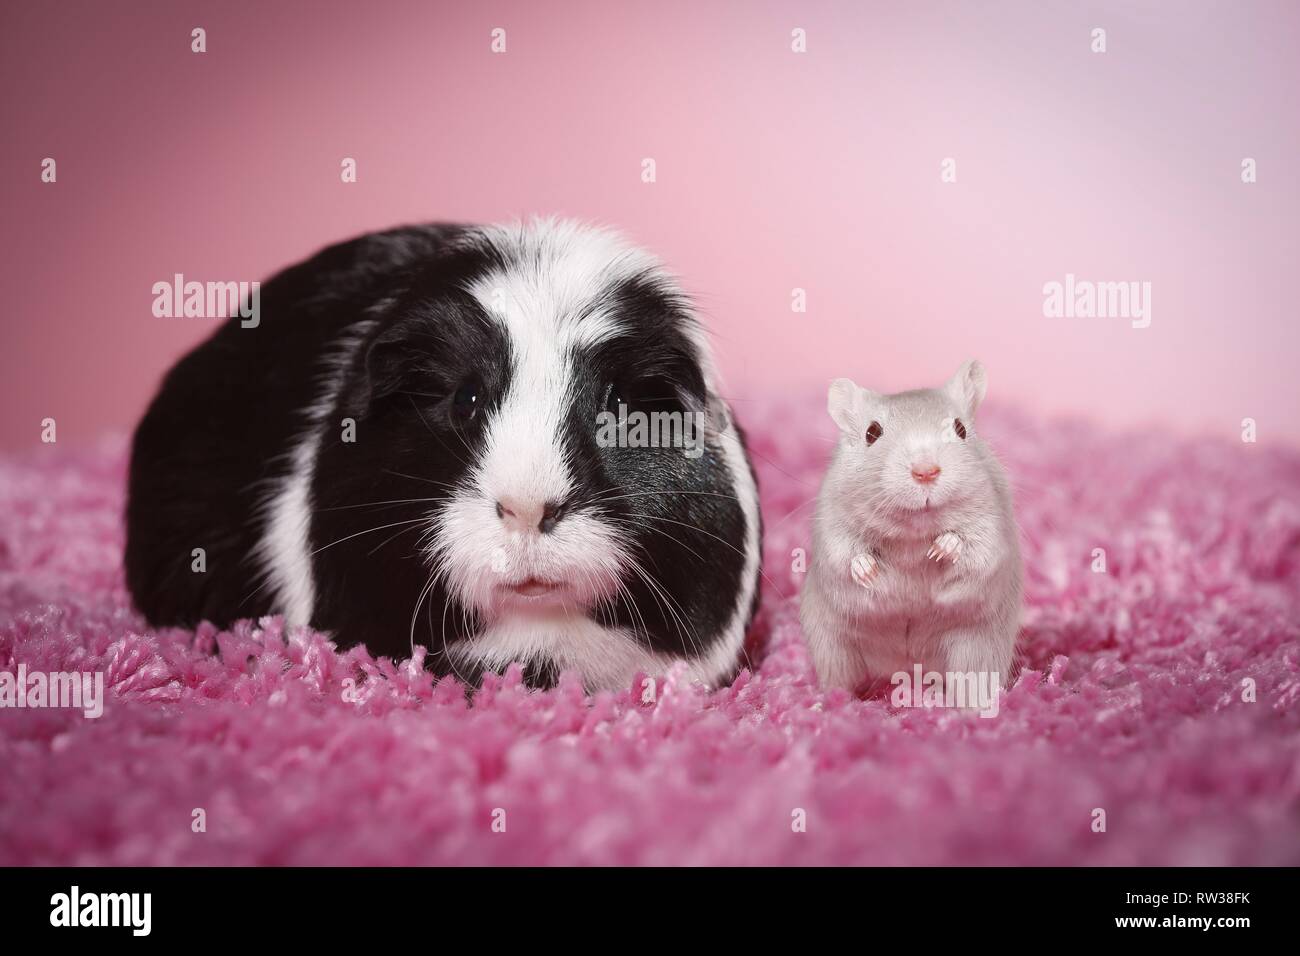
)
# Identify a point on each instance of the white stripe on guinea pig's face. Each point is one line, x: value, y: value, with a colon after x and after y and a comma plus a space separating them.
x: 508, y: 532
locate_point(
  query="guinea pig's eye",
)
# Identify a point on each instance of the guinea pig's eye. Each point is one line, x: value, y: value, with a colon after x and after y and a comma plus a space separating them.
x: 465, y: 402
x: 613, y: 398
x: 647, y: 394
x: 874, y: 431
x: 959, y: 428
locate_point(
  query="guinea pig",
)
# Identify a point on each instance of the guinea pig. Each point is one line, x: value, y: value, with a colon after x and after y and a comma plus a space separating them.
x: 915, y: 557
x: 410, y: 447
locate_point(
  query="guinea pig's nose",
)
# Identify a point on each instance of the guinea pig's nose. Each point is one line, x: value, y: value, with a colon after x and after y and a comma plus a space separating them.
x: 520, y: 515
x: 925, y: 472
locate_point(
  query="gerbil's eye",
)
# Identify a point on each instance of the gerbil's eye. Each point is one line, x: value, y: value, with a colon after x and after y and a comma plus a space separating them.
x: 959, y: 428
x: 874, y: 431
x: 465, y: 403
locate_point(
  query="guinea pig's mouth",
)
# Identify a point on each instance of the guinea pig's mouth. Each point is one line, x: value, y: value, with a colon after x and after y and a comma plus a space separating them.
x: 533, y: 587
x: 534, y: 594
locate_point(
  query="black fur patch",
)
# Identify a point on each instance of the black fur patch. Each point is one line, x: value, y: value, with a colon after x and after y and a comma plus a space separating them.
x: 373, y: 496
x: 216, y: 439
x: 679, y: 515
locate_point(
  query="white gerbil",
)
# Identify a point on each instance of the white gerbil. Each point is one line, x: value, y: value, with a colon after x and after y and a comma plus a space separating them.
x: 915, y: 557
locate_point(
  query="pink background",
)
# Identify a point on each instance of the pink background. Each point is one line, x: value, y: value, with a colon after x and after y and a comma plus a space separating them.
x: 775, y: 170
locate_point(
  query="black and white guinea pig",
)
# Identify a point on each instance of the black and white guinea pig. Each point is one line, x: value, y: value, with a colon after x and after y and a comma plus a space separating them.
x: 404, y: 450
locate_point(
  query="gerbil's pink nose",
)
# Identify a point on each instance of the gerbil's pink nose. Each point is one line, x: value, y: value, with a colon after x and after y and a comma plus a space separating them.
x: 925, y: 472
x: 521, y: 515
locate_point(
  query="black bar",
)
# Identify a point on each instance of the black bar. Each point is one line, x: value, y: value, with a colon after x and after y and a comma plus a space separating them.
x: 927, y: 907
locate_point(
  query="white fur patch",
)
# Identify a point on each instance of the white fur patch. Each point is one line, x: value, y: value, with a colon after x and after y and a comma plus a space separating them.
x: 285, y: 552
x: 606, y: 658
x: 550, y: 303
x: 286, y: 548
x: 725, y: 652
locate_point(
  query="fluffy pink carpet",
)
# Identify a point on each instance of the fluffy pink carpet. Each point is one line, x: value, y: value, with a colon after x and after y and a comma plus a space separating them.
x: 1131, y: 700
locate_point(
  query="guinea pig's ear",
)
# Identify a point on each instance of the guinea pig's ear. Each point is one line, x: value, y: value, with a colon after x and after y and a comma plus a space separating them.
x: 968, y: 386
x: 387, y: 360
x: 844, y: 402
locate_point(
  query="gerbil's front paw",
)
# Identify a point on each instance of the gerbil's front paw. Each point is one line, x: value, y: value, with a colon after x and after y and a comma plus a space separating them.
x: 946, y: 547
x: 864, y: 569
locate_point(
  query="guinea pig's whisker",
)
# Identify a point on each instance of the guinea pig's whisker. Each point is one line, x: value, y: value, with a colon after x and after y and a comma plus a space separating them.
x: 710, y: 534
x: 438, y: 484
x: 358, y: 534
x: 442, y: 631
x: 440, y: 576
x: 657, y: 593
x: 428, y: 621
x: 624, y: 591
x: 654, y: 584
x: 665, y: 494
x: 442, y: 636
x: 609, y: 603
x: 657, y: 589
x: 683, y: 630
x: 436, y: 398
x: 636, y: 609
x: 391, y: 537
x: 621, y: 592
x: 378, y: 504
x: 257, y: 590
x: 632, y: 524
x: 436, y: 436
x: 415, y: 611
x: 463, y: 443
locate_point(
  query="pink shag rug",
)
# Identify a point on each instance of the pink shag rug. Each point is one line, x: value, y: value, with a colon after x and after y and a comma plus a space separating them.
x: 1130, y: 700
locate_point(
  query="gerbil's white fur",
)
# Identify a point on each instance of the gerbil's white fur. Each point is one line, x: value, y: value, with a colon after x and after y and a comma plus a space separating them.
x: 905, y: 572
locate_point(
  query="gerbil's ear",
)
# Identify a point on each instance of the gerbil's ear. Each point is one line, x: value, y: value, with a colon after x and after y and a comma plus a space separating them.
x: 843, y: 401
x: 968, y: 386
